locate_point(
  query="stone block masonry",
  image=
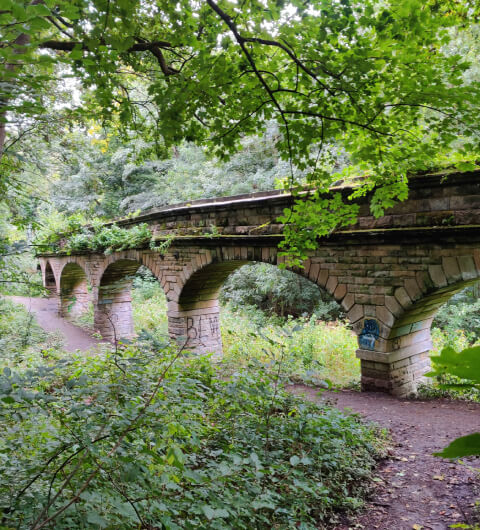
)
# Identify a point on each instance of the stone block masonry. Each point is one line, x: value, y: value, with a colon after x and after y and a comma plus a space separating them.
x: 390, y: 275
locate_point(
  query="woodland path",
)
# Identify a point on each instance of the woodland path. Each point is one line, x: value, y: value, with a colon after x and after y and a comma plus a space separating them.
x: 45, y: 310
x: 415, y: 490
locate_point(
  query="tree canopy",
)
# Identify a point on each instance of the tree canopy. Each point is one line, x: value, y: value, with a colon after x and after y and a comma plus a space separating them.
x: 382, y: 79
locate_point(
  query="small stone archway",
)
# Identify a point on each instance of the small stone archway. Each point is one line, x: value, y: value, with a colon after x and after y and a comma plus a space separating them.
x: 113, y: 314
x: 50, y: 282
x: 193, y: 310
x: 75, y: 296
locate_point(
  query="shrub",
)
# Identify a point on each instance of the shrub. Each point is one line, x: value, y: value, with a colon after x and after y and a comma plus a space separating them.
x: 122, y: 446
x: 108, y: 239
x: 71, y: 234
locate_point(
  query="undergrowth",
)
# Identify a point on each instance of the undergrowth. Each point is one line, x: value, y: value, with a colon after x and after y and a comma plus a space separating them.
x: 21, y: 338
x: 313, y: 351
x: 121, y: 441
x: 440, y: 386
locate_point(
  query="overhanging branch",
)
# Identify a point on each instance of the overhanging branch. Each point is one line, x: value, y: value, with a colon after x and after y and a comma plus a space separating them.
x: 155, y: 48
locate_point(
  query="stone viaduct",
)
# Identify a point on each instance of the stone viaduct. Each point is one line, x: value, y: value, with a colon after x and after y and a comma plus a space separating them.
x: 389, y: 274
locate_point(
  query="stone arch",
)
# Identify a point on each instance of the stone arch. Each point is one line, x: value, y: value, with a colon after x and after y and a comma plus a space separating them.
x: 50, y: 282
x: 113, y: 316
x: 74, y: 292
x: 402, y: 352
x: 194, y: 312
x: 195, y: 315
x: 325, y: 275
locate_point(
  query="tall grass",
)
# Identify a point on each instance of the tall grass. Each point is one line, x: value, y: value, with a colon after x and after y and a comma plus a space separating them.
x: 312, y: 351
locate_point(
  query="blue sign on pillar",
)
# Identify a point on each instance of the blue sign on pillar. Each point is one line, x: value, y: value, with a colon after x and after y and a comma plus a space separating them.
x: 369, y: 334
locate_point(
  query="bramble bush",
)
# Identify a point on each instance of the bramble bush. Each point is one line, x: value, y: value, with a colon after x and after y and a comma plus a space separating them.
x: 124, y: 441
x: 115, y: 440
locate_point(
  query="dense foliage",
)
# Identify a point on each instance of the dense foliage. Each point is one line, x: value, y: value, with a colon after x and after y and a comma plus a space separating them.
x: 459, y: 371
x: 120, y: 441
x: 103, y: 106
x: 96, y: 237
x: 20, y: 335
x: 311, y: 351
x: 100, y: 175
x: 455, y: 326
x: 461, y: 312
x: 391, y: 85
x: 271, y: 289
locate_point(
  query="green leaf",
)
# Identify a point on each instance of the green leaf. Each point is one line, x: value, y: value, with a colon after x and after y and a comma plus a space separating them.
x: 96, y: 519
x: 38, y: 23
x: 294, y: 460
x: 175, y: 457
x: 208, y: 511
x: 466, y: 166
x: 39, y: 10
x: 76, y: 53
x: 465, y: 446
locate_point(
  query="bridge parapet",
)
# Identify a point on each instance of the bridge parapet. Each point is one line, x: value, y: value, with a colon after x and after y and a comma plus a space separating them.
x: 434, y: 201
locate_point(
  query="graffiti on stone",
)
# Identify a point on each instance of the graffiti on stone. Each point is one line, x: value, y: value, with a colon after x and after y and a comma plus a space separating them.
x: 203, y: 326
x: 214, y: 325
x: 369, y: 334
x: 192, y: 331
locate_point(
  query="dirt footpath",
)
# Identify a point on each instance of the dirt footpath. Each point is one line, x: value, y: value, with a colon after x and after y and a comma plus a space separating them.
x: 415, y: 490
x: 46, y: 313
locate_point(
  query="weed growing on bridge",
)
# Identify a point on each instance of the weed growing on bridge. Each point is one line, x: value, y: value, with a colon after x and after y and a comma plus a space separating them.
x: 197, y: 458
x: 73, y: 235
